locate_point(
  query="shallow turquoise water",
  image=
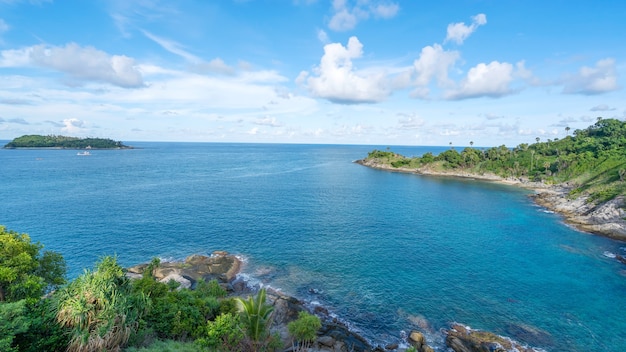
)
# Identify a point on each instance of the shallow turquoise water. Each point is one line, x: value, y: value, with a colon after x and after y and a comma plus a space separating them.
x: 384, y: 251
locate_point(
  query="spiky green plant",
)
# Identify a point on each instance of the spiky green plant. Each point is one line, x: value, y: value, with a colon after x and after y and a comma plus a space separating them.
x: 256, y: 318
x: 99, y: 309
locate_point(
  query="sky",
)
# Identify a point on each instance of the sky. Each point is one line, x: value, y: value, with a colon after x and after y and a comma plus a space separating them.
x: 377, y: 72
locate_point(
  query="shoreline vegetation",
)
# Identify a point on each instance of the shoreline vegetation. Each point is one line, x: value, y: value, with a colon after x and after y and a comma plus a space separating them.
x: 199, y: 304
x: 582, y: 177
x: 63, y: 142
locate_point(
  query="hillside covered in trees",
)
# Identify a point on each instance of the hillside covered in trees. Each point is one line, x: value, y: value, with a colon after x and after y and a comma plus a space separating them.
x: 591, y: 161
x: 53, y: 141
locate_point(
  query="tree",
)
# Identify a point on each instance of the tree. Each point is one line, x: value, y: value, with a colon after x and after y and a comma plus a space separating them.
x: 25, y: 272
x: 304, y: 330
x: 567, y: 130
x: 99, y: 308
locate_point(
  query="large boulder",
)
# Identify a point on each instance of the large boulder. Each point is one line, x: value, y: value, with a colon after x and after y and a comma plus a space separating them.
x: 463, y: 339
x: 220, y: 266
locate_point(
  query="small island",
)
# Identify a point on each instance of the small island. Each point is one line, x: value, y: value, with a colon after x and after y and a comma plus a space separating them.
x: 64, y: 142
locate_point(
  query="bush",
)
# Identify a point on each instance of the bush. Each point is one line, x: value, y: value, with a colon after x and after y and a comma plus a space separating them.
x: 304, y: 330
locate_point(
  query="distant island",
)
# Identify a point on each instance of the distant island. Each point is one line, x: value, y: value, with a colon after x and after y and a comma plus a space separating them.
x: 582, y: 176
x: 64, y: 142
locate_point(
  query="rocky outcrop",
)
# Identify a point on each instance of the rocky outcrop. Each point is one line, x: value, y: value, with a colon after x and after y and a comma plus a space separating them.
x: 605, y: 219
x: 463, y: 339
x: 220, y: 266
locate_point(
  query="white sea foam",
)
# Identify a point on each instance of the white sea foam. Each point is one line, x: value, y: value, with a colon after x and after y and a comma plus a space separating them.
x: 609, y: 254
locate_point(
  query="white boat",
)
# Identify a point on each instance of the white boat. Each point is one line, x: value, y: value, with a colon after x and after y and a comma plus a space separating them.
x: 83, y: 153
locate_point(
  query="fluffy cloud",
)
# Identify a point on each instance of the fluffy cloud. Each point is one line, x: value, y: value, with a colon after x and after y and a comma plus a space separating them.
x: 433, y: 63
x: 335, y: 78
x: 346, y: 16
x: 593, y: 80
x: 73, y: 126
x: 458, y: 32
x: 79, y: 63
x: 491, y: 79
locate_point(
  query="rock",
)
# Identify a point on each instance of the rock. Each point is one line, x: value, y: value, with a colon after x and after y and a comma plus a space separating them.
x: 462, y: 339
x: 416, y: 339
x: 326, y: 341
x: 184, y: 282
x: 391, y: 347
x: 220, y: 266
x: 286, y: 309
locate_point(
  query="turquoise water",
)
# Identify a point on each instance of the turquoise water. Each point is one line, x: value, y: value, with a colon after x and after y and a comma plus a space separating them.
x: 384, y: 251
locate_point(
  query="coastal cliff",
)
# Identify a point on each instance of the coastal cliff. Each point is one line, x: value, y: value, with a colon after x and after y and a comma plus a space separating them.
x: 605, y: 218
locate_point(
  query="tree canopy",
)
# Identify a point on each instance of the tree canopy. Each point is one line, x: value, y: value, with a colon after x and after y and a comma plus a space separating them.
x: 593, y: 160
x: 53, y: 141
x: 26, y: 271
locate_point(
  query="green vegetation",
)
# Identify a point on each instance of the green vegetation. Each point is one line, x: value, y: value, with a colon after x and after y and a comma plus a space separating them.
x: 104, y: 310
x: 52, y: 141
x: 25, y: 272
x: 592, y: 160
x: 304, y: 331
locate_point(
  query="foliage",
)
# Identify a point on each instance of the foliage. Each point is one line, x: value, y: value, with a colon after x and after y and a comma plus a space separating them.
x: 168, y: 346
x: 99, y: 308
x: 223, y: 334
x: 44, y: 333
x: 25, y: 272
x: 304, y: 330
x: 592, y: 159
x: 12, y: 322
x: 256, y: 318
x: 178, y: 314
x: 52, y: 141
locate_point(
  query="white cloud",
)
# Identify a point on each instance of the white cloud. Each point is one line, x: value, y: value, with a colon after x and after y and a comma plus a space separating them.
x: 335, y: 78
x: 322, y: 36
x: 458, y: 32
x: 73, y: 126
x: 593, y: 80
x: 267, y: 121
x: 602, y: 107
x: 3, y: 26
x: 410, y: 122
x: 346, y: 16
x: 492, y: 80
x: 173, y: 47
x: 79, y: 63
x: 433, y: 63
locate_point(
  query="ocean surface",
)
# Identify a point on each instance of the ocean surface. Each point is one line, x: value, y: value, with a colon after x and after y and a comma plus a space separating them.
x: 386, y: 252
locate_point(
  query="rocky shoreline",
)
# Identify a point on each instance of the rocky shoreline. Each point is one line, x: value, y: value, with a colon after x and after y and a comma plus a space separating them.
x: 606, y: 219
x: 334, y: 335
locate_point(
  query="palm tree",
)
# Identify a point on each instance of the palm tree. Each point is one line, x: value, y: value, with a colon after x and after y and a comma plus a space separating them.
x: 471, y: 143
x: 567, y: 130
x: 256, y: 317
x: 99, y: 309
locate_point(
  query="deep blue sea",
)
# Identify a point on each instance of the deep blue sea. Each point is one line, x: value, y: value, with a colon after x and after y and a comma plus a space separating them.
x: 386, y: 252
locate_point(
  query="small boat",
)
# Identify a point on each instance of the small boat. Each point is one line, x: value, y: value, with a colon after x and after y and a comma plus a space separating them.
x: 85, y: 153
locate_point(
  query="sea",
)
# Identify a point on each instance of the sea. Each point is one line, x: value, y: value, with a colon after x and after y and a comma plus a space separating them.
x: 384, y: 252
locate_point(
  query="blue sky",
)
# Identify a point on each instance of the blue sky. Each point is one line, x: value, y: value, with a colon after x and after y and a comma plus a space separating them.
x: 383, y: 72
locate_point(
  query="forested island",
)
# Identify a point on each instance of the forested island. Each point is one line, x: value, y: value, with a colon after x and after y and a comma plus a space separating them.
x: 582, y: 176
x: 64, y: 142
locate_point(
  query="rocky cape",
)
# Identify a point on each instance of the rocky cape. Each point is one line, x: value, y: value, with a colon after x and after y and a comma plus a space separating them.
x: 605, y: 219
x: 334, y: 335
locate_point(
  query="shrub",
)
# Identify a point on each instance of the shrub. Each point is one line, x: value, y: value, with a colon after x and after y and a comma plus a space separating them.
x: 304, y: 330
